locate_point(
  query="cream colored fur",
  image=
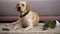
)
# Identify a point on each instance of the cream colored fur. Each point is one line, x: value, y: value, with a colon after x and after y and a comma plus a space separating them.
x: 30, y: 20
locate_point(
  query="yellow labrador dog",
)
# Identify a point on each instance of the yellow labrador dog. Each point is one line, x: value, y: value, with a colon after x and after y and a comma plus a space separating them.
x: 27, y: 18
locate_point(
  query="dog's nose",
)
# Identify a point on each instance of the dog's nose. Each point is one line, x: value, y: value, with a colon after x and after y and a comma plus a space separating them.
x: 19, y: 8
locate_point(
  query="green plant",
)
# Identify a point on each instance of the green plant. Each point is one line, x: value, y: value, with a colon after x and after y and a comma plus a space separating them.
x: 49, y: 24
x: 5, y: 29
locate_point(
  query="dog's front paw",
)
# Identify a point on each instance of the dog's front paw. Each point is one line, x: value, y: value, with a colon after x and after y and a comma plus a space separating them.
x: 15, y: 28
x: 26, y: 29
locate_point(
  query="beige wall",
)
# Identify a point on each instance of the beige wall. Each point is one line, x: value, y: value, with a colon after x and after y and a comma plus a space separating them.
x: 43, y: 7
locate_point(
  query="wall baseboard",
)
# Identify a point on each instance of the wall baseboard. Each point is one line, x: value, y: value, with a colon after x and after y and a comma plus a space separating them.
x: 42, y: 18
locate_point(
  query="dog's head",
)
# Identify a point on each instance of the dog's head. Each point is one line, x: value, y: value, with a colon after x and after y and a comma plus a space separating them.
x: 22, y: 7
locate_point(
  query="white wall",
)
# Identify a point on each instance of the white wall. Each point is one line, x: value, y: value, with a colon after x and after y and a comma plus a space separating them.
x: 43, y: 7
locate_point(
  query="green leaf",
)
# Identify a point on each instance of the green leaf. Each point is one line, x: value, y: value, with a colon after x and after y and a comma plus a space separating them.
x: 5, y: 29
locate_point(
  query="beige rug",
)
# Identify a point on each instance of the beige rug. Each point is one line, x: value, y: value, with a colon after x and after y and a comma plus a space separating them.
x: 35, y: 30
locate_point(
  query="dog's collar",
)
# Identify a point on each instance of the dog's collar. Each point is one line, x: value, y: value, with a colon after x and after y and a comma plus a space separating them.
x: 24, y: 14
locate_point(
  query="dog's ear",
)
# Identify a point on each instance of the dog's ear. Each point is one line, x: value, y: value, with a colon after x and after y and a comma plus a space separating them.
x: 27, y: 6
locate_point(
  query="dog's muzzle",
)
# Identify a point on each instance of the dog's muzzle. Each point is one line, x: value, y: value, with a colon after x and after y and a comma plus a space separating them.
x: 19, y: 8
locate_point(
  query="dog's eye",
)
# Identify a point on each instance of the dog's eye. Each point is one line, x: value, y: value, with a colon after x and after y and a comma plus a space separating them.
x: 18, y: 4
x: 22, y: 4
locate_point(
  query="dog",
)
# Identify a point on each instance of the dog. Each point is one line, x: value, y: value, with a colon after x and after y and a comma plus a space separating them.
x: 27, y: 18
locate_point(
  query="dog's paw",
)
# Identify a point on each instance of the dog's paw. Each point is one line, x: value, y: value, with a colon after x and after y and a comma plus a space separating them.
x: 26, y: 29
x: 15, y: 28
